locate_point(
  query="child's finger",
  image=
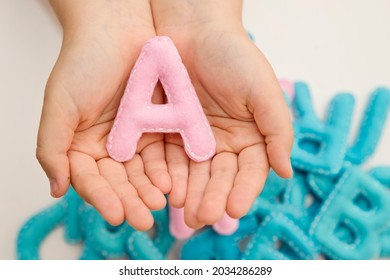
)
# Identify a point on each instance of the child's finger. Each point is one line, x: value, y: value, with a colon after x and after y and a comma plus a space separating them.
x: 136, y: 212
x: 223, y: 172
x: 178, y: 162
x: 274, y: 122
x: 150, y: 195
x: 253, y: 169
x: 55, y: 136
x: 95, y: 189
x: 199, y: 176
x: 153, y: 157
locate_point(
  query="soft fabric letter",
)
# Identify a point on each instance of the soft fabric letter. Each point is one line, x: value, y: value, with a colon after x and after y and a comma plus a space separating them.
x: 160, y: 60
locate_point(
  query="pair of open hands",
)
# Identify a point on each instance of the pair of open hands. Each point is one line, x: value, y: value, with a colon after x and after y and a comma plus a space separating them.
x: 235, y: 84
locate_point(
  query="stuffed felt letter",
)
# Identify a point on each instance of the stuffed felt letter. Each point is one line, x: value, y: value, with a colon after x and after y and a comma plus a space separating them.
x: 178, y: 228
x: 320, y: 146
x: 276, y: 229
x: 353, y: 217
x: 160, y: 60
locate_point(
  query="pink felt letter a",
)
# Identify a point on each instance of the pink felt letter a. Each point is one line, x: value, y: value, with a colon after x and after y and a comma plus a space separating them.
x: 160, y: 60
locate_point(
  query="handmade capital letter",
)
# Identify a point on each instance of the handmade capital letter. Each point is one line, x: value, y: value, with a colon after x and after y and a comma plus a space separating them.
x: 160, y: 60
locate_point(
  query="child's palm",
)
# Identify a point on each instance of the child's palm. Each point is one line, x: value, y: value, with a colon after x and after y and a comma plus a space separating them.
x: 244, y: 105
x: 82, y: 97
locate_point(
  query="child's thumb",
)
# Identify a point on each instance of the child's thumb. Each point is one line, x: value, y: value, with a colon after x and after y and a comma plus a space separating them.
x: 55, y: 136
x: 274, y: 122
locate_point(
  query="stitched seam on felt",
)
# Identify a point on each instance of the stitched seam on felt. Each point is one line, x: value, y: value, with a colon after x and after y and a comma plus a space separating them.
x: 328, y: 201
x: 194, y: 98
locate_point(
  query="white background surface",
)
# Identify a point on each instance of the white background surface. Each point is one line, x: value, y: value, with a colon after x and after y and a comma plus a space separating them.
x: 333, y: 45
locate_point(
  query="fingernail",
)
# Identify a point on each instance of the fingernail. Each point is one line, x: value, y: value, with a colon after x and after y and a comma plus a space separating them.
x: 292, y: 170
x: 53, y: 186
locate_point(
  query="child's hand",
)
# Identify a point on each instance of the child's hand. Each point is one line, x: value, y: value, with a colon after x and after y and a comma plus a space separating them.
x: 244, y: 105
x: 102, y: 40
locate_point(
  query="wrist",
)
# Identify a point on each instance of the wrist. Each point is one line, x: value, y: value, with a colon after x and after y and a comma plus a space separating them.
x: 193, y: 15
x: 116, y: 19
